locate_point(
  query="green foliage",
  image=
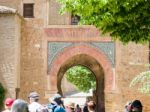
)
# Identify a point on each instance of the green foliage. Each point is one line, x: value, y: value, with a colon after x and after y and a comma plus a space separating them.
x: 124, y: 20
x: 142, y: 81
x: 81, y: 77
x: 2, y: 95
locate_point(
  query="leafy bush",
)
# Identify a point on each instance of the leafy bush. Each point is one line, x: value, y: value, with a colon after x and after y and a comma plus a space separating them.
x: 82, y: 78
x: 2, y: 95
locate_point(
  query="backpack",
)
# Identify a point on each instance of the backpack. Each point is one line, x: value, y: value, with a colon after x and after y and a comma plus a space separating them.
x: 51, y: 107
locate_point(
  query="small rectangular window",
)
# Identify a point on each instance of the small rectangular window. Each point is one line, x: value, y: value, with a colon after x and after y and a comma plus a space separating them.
x: 75, y: 20
x: 28, y: 10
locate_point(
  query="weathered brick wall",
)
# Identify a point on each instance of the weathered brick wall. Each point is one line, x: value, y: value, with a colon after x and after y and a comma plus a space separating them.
x: 67, y: 87
x: 33, y: 63
x: 130, y: 61
x: 54, y: 12
x: 33, y: 52
x: 9, y: 52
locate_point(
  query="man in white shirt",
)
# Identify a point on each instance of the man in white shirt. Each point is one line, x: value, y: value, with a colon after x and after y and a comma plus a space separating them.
x: 34, y: 105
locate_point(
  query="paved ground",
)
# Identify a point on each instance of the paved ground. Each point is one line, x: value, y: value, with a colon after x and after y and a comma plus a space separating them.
x: 77, y: 98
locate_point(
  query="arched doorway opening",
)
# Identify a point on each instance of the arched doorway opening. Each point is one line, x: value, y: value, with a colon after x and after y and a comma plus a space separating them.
x: 94, y: 66
x: 90, y: 57
x: 78, y: 85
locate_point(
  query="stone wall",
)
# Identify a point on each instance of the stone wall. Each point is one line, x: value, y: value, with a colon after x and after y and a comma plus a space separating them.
x: 130, y: 61
x: 33, y: 60
x: 10, y: 52
x: 54, y: 12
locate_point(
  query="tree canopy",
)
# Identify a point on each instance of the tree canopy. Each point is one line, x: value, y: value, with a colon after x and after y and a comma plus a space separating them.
x: 124, y: 20
x: 81, y: 77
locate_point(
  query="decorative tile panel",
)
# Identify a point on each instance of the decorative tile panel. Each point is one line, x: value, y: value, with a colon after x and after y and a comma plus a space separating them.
x: 108, y: 48
x: 54, y: 48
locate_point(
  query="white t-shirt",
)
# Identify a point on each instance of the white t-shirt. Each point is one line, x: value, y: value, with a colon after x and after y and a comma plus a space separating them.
x: 7, y: 110
x: 34, y: 106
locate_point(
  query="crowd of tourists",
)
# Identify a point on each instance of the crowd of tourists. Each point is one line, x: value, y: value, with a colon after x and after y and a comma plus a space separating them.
x: 56, y: 105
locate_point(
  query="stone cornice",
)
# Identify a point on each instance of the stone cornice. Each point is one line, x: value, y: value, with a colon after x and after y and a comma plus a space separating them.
x: 7, y: 10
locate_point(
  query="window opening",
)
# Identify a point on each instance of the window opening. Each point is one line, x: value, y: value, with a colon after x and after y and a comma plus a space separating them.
x: 75, y: 19
x: 28, y: 11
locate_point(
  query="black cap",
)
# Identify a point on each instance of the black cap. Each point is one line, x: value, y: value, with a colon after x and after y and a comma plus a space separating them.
x: 137, y: 104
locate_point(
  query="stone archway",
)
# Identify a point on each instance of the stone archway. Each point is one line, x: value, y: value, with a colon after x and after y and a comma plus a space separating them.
x: 94, y: 66
x: 87, y: 56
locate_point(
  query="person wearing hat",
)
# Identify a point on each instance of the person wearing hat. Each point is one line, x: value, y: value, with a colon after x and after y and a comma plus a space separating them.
x: 136, y: 106
x: 8, y: 104
x: 56, y: 103
x: 33, y: 99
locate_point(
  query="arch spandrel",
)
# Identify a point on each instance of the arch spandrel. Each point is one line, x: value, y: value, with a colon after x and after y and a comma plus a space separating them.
x: 98, y: 55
